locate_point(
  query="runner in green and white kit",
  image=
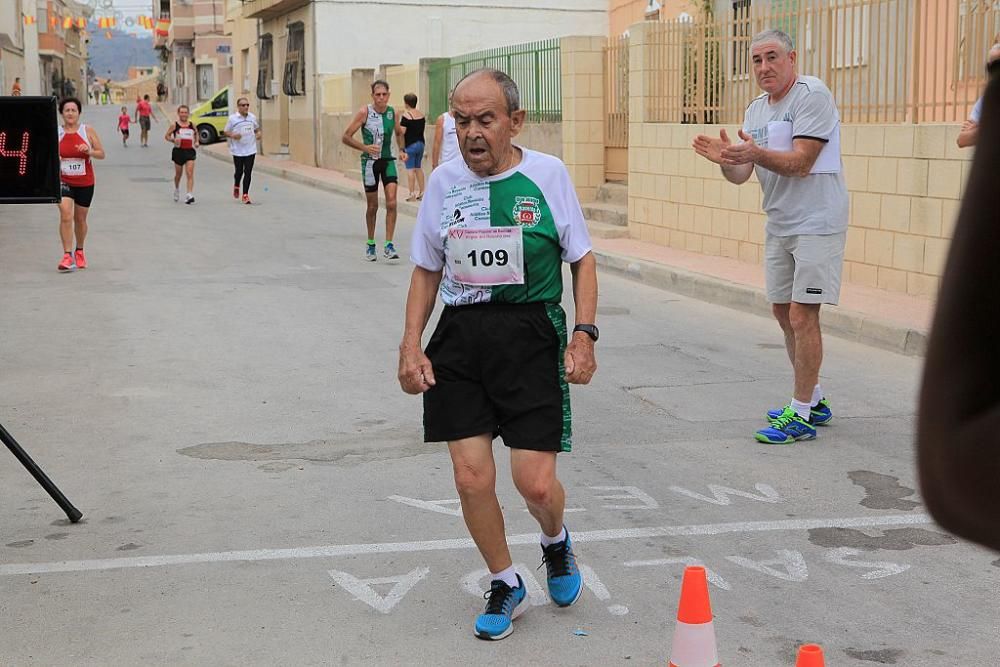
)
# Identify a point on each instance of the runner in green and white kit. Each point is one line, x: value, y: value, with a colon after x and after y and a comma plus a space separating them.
x: 377, y: 122
x: 493, y: 231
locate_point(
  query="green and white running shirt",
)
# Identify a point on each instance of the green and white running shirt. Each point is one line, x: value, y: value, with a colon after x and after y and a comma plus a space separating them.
x: 378, y: 130
x: 500, y: 239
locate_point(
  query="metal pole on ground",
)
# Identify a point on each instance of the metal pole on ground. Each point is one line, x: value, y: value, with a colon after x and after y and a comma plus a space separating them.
x: 72, y: 513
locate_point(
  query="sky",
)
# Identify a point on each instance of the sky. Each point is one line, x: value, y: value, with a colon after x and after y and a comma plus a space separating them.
x: 128, y: 8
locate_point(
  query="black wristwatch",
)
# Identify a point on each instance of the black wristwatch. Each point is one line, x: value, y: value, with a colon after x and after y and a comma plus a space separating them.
x: 589, y: 329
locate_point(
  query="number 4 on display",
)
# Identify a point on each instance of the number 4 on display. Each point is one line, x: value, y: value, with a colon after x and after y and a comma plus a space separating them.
x: 22, y: 153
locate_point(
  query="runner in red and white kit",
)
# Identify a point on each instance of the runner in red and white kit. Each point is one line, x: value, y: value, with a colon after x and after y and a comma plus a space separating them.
x: 78, y: 145
x: 184, y: 136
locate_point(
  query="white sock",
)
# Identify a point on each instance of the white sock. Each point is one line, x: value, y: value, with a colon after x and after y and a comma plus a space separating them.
x: 802, y: 409
x: 546, y: 540
x: 817, y: 394
x: 508, y: 576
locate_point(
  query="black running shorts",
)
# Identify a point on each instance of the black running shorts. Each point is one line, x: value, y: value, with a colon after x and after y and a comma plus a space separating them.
x: 499, y: 370
x: 182, y: 156
x: 81, y: 196
x: 373, y: 171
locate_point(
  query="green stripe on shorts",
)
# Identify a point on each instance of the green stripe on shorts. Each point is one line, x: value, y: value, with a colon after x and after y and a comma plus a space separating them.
x: 558, y: 318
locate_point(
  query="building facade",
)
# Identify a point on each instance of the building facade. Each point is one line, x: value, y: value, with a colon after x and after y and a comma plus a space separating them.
x: 196, y: 53
x: 278, y: 58
x: 623, y: 13
x: 12, y: 45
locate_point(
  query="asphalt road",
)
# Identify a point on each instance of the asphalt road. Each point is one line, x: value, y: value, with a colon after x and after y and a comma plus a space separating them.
x: 217, y: 393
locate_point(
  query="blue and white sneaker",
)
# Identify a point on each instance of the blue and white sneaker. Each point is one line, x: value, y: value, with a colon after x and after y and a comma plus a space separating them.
x: 819, y: 414
x: 503, y: 605
x: 564, y: 580
x: 370, y: 253
x: 390, y: 251
x: 786, y: 429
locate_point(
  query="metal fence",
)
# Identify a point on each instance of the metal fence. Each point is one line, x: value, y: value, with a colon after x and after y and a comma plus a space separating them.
x: 437, y: 88
x: 535, y: 67
x: 886, y: 61
x: 616, y: 93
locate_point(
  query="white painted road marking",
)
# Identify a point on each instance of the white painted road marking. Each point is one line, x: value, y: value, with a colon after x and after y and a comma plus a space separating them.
x: 881, y: 569
x: 362, y: 589
x: 713, y: 577
x: 458, y: 543
x: 432, y: 505
x: 720, y: 494
x: 439, y: 505
x: 537, y: 595
x: 631, y: 493
x: 791, y: 563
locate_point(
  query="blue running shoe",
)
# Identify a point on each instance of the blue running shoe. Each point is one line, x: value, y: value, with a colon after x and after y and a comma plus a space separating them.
x: 370, y: 254
x: 819, y: 415
x: 565, y: 582
x: 786, y: 429
x: 390, y: 251
x: 503, y: 605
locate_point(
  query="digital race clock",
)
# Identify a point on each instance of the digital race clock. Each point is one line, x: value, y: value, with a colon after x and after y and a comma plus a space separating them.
x: 29, y: 150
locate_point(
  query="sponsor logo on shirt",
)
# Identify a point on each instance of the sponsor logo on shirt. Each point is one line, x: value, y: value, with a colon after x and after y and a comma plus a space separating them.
x: 527, y: 211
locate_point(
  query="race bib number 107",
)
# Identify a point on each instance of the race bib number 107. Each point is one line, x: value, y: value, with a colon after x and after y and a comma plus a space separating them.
x: 486, y: 255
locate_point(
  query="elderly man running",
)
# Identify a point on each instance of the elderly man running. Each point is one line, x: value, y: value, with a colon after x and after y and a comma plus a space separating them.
x: 791, y: 137
x: 492, y: 234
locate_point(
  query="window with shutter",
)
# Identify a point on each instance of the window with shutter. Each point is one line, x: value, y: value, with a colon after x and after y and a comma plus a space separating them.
x: 293, y: 81
x: 265, y: 68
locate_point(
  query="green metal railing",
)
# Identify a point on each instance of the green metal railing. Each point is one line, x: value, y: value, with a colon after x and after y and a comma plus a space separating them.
x: 535, y: 68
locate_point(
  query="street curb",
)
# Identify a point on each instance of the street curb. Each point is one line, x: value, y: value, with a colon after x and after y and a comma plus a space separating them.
x: 405, y: 207
x: 837, y: 321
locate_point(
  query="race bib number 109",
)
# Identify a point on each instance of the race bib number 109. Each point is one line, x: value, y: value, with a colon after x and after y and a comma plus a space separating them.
x: 486, y: 255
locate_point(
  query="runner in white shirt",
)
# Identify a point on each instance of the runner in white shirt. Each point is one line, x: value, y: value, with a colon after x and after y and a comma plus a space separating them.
x: 243, y: 132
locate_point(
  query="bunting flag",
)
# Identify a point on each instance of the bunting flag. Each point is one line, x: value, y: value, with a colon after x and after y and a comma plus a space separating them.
x: 163, y: 27
x: 81, y: 23
x: 102, y: 22
x: 53, y: 20
x: 67, y: 23
x: 29, y: 20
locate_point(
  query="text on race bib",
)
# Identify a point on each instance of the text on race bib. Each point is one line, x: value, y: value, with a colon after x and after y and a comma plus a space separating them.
x: 486, y: 255
x: 72, y: 166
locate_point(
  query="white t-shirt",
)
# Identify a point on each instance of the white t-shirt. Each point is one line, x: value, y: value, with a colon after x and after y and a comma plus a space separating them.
x: 246, y: 126
x: 977, y: 111
x: 532, y: 222
x: 449, y: 144
x: 817, y: 203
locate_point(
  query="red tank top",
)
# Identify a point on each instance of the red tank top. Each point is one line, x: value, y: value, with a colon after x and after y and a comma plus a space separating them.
x: 185, y: 134
x: 75, y: 167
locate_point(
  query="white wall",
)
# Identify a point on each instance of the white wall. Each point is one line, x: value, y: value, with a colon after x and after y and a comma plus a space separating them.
x: 373, y: 32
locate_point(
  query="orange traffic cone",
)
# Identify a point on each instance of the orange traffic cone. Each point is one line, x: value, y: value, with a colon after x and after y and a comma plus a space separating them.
x: 694, y: 636
x: 810, y: 655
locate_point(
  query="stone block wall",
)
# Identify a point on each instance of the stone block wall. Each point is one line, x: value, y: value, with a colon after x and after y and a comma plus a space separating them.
x: 905, y: 184
x: 582, y: 63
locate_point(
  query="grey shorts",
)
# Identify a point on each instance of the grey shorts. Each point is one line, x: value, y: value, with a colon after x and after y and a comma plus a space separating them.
x: 804, y: 269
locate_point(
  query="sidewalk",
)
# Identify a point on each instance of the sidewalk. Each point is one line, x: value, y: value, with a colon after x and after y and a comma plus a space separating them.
x: 892, y: 321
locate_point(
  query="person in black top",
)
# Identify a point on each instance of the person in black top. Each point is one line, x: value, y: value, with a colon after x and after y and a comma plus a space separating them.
x: 413, y: 123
